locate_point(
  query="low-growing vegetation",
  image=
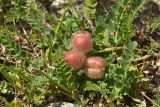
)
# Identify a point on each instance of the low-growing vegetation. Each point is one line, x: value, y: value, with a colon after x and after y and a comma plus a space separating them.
x: 95, y: 53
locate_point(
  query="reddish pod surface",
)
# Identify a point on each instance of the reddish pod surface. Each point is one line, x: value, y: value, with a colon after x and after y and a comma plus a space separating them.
x: 95, y: 62
x: 75, y: 59
x: 82, y: 41
x: 94, y: 67
x: 94, y: 73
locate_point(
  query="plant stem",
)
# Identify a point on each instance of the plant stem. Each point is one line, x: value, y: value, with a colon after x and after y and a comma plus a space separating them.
x: 57, y: 31
x: 143, y: 50
x: 147, y: 56
x: 120, y: 19
x: 119, y: 48
x: 60, y: 23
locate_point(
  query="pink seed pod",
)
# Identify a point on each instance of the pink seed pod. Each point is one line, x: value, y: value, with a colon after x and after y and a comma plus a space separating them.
x: 75, y: 59
x: 95, y: 62
x: 94, y: 73
x: 82, y: 41
x: 94, y: 67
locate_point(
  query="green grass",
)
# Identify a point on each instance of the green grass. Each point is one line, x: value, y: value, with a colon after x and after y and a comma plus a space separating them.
x: 31, y: 61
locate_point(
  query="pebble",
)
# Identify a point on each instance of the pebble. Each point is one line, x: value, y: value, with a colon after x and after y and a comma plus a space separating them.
x: 60, y: 104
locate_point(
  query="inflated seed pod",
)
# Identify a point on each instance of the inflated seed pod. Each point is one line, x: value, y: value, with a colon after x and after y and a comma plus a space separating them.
x: 82, y: 41
x: 94, y: 67
x: 75, y: 59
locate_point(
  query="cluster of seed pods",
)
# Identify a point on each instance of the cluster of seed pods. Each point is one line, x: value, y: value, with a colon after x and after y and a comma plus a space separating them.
x: 94, y: 67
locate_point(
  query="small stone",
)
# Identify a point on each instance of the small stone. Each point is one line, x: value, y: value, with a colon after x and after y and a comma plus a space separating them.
x: 158, y: 63
x: 60, y: 104
x: 146, y: 72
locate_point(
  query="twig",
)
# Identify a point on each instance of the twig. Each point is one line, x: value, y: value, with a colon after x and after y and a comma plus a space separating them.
x: 143, y: 93
x: 112, y: 49
x: 104, y: 8
x: 25, y: 33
